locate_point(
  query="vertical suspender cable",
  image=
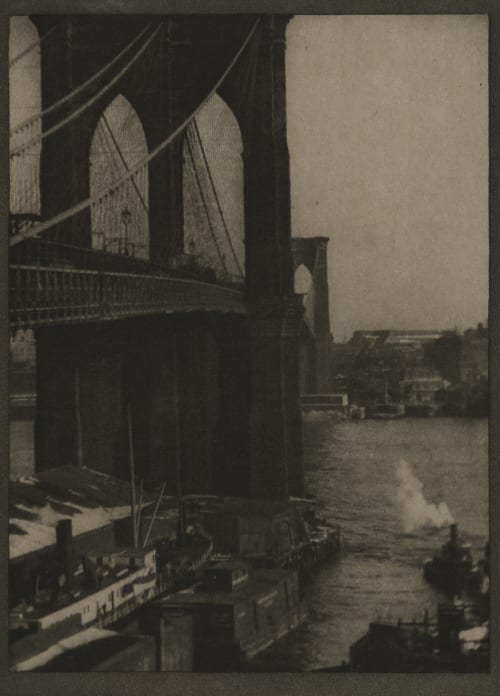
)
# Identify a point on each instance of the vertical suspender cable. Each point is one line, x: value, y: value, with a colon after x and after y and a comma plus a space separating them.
x: 219, y: 208
x: 202, y: 196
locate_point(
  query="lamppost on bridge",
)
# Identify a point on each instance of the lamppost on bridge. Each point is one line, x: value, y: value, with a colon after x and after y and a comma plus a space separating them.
x: 126, y: 218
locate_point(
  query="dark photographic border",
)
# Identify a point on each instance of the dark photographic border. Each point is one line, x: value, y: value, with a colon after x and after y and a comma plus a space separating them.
x: 257, y: 683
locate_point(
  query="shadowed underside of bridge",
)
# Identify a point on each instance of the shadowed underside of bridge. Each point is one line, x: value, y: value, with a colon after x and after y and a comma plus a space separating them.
x: 198, y: 368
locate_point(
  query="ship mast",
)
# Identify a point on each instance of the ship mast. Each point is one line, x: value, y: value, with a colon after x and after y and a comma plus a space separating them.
x: 132, y: 477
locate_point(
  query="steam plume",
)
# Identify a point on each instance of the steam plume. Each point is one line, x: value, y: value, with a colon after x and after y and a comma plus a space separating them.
x: 417, y: 512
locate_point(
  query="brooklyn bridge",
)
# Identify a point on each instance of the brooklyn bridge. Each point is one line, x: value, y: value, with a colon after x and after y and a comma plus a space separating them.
x: 154, y: 262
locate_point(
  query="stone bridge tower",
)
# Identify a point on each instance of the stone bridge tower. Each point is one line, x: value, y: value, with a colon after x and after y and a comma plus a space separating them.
x: 316, y: 337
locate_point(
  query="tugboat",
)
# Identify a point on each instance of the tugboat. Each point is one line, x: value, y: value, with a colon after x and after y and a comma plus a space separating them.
x: 450, y: 569
x: 478, y: 581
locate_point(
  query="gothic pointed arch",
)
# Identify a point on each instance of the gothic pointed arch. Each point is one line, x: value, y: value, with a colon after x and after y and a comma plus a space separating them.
x: 120, y: 222
x: 213, y: 183
x: 24, y: 102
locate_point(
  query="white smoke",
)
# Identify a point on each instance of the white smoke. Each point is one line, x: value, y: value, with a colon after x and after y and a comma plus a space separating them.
x: 416, y: 511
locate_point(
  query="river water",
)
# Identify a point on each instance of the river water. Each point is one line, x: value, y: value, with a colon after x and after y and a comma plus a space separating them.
x: 394, y: 487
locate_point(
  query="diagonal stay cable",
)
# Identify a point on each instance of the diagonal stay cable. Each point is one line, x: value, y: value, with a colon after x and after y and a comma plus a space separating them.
x: 33, y: 45
x: 212, y: 185
x: 91, y: 200
x: 32, y: 119
x: 71, y: 117
x: 124, y: 162
x: 204, y: 203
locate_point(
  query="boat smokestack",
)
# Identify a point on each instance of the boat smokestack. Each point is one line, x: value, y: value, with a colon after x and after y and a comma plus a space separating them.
x: 453, y: 534
x: 64, y: 545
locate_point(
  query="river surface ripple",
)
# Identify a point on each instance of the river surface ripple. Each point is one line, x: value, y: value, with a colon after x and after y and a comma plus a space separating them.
x: 393, y: 486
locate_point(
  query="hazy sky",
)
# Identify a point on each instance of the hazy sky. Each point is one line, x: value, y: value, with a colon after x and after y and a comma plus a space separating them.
x: 387, y: 131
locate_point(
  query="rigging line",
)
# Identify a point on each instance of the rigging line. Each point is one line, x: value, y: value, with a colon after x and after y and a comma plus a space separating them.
x: 204, y: 202
x: 122, y: 158
x: 78, y: 89
x: 29, y: 48
x: 92, y: 100
x: 15, y: 239
x: 212, y: 184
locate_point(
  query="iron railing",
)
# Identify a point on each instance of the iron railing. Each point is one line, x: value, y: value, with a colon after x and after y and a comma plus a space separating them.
x: 42, y: 295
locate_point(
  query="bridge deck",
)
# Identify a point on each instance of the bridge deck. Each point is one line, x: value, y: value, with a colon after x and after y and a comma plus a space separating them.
x: 44, y: 296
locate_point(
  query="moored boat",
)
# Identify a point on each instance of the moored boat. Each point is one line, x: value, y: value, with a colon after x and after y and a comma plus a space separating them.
x: 387, y: 411
x: 427, y: 410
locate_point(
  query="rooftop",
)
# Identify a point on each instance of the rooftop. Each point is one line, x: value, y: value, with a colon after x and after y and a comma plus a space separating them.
x: 92, y: 500
x: 260, y: 583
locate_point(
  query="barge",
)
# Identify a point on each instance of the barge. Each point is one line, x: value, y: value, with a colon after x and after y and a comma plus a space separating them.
x: 237, y: 611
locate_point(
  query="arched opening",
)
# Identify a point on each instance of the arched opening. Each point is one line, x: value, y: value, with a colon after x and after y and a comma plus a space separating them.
x: 213, y: 189
x: 302, y: 281
x: 24, y: 102
x: 120, y: 221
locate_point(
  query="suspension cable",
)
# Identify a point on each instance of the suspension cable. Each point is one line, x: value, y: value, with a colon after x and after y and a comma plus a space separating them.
x: 92, y: 100
x: 122, y: 158
x: 81, y: 87
x: 204, y: 203
x: 214, y: 190
x: 91, y: 200
x: 29, y: 48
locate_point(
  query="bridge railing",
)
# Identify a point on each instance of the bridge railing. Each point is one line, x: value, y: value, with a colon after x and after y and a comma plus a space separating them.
x: 49, y: 253
x: 43, y: 296
x: 46, y: 252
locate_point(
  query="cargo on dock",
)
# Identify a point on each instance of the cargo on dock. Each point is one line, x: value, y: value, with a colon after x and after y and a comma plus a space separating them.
x: 268, y: 534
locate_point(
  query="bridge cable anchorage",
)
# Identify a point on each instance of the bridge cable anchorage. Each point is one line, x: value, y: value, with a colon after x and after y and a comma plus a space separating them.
x: 204, y: 203
x: 65, y: 215
x: 81, y: 109
x: 217, y: 201
x: 33, y: 45
x: 37, y: 117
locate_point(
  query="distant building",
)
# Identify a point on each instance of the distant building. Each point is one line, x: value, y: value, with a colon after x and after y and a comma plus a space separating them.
x: 416, y: 366
x: 462, y: 359
x: 474, y: 356
x: 405, y: 338
x: 422, y: 388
